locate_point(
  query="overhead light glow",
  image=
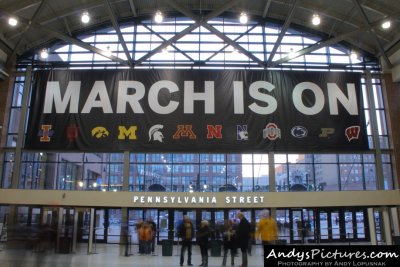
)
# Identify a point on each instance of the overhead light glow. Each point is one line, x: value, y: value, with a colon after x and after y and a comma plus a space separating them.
x: 386, y: 25
x: 316, y: 20
x: 158, y: 17
x: 44, y: 54
x: 12, y: 21
x: 107, y: 52
x: 243, y: 18
x: 354, y: 55
x: 85, y: 17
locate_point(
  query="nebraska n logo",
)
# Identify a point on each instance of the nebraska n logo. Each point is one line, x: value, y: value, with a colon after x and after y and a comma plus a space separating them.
x: 185, y: 131
x: 352, y: 132
x: 214, y: 131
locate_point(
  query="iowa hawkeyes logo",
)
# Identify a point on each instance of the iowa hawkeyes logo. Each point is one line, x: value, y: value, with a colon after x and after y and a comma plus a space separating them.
x: 100, y: 132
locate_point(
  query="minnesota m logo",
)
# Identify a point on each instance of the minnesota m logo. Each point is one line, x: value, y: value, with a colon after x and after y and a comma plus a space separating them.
x: 184, y: 131
x: 124, y: 133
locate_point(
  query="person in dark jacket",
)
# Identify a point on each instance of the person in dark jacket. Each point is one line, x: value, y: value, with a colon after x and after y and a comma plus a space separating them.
x: 186, y: 233
x: 243, y: 235
x: 229, y: 241
x: 203, y: 236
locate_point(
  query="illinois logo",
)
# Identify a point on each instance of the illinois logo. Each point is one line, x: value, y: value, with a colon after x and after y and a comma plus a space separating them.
x: 271, y: 131
x: 352, y: 132
x: 155, y: 134
x: 45, y: 133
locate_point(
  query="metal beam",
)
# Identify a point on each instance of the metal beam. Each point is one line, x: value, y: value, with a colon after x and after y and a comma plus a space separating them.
x: 133, y: 8
x: 26, y: 29
x: 222, y: 36
x: 331, y: 41
x: 79, y: 43
x: 189, y: 29
x: 234, y: 44
x: 162, y: 38
x: 266, y: 8
x: 285, y: 27
x: 368, y: 24
x: 167, y: 43
x: 66, y: 38
x: 115, y: 24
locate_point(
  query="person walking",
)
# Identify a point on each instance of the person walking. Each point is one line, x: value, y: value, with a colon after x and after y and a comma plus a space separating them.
x: 243, y: 235
x: 186, y: 232
x: 229, y: 242
x: 203, y: 236
x: 267, y: 229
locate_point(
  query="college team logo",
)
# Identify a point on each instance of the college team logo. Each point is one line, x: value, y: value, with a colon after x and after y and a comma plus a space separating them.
x: 45, y: 133
x: 299, y: 131
x: 352, y: 132
x: 155, y: 133
x: 241, y: 133
x: 100, y: 132
x: 271, y: 131
x: 326, y: 132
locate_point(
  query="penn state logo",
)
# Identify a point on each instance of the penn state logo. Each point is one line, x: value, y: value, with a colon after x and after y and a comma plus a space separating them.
x: 299, y: 131
x: 155, y: 134
x: 100, y: 132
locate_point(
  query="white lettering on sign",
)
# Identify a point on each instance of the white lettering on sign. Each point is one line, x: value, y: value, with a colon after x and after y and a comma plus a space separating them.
x: 196, y: 199
x: 260, y: 91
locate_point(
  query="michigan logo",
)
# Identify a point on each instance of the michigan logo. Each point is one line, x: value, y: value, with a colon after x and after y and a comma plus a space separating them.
x: 100, y: 132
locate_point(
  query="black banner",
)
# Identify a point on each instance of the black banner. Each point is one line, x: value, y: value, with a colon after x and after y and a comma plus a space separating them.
x: 196, y: 111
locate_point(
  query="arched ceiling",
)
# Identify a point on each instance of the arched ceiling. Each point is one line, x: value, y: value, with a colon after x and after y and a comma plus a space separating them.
x: 357, y: 22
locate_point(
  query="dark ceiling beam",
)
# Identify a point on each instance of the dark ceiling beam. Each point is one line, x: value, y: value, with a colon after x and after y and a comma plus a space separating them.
x: 237, y: 38
x: 65, y: 38
x: 372, y: 32
x: 203, y: 22
x: 133, y: 8
x: 331, y: 41
x: 25, y: 30
x: 189, y: 29
x: 266, y: 8
x: 172, y: 45
x: 117, y: 29
x: 285, y: 27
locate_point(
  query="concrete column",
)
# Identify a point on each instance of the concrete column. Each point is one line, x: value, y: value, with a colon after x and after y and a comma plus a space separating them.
x: 394, y: 214
x: 386, y: 227
x: 91, y: 231
x: 371, y: 225
x: 75, y: 232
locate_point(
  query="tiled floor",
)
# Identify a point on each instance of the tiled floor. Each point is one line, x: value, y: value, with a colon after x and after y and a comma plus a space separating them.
x: 110, y: 255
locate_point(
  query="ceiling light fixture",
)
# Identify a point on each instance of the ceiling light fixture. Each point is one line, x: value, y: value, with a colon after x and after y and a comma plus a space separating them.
x: 316, y: 20
x: 107, y: 52
x: 386, y: 25
x: 12, y: 21
x: 243, y: 18
x: 158, y: 17
x: 44, y: 54
x: 353, y: 55
x: 85, y: 17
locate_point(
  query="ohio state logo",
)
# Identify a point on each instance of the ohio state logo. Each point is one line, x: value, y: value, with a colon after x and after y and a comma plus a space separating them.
x: 271, y: 131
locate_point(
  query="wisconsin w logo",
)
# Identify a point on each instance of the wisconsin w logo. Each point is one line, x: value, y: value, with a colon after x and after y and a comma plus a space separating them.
x: 352, y: 132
